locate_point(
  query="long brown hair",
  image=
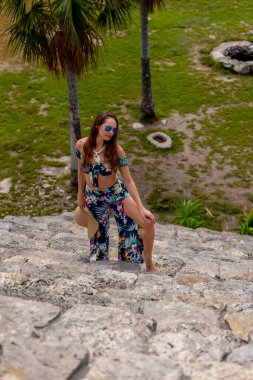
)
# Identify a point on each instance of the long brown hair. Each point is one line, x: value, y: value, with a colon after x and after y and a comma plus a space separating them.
x: 111, y: 155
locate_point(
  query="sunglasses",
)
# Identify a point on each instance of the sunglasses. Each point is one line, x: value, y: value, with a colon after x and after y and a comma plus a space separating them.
x: 108, y: 128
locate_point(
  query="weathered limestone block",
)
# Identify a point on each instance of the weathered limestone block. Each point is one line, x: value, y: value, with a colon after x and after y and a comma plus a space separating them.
x: 13, y: 278
x: 65, y: 241
x: 241, y: 324
x: 111, y: 319
x: 182, y: 315
x: 191, y: 279
x: 124, y: 365
x: 235, y: 270
x: 242, y: 355
x: 103, y: 329
x: 204, y: 266
x: 23, y: 348
x: 228, y: 292
x: 30, y: 314
x: 221, y: 371
x: 5, y: 227
x: 43, y: 360
x: 9, y: 239
x: 112, y: 279
x: 194, y: 350
x: 28, y: 220
x: 74, y: 288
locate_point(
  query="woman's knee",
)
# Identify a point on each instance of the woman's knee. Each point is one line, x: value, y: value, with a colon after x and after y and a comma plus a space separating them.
x: 148, y: 228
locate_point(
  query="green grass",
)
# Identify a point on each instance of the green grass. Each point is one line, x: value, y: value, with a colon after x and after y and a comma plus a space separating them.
x: 29, y: 140
x: 229, y: 133
x: 167, y: 206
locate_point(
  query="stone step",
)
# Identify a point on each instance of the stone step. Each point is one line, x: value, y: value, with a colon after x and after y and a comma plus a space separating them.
x: 64, y: 317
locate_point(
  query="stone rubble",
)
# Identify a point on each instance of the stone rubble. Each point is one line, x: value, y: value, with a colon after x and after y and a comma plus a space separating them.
x: 65, y: 318
x: 220, y: 54
x: 160, y: 140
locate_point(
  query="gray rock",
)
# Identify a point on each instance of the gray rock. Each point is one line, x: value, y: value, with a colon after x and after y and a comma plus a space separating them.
x: 226, y: 52
x: 123, y: 365
x: 192, y: 351
x: 242, y: 355
x: 63, y: 317
x: 223, y: 370
x: 182, y: 316
x: 137, y: 126
x: 160, y: 140
x: 44, y: 360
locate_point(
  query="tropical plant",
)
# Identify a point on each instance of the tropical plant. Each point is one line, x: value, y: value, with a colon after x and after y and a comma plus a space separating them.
x: 147, y: 100
x: 189, y: 213
x: 246, y: 225
x: 65, y: 36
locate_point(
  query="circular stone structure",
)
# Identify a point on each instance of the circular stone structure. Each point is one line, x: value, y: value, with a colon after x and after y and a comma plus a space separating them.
x: 235, y: 55
x: 160, y: 140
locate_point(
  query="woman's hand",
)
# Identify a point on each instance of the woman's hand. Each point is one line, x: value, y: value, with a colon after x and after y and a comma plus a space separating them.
x: 81, y: 199
x: 147, y: 215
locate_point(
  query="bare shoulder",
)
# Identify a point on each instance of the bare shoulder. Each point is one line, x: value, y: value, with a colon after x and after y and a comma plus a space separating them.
x: 120, y: 151
x: 80, y: 142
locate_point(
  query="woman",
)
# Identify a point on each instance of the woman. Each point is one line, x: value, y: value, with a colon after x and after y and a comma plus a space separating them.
x: 100, y: 156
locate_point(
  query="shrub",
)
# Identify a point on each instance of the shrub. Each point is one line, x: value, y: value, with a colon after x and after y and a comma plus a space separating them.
x: 246, y: 225
x: 189, y: 214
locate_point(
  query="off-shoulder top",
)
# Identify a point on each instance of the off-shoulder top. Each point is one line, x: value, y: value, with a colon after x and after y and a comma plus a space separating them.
x: 99, y: 168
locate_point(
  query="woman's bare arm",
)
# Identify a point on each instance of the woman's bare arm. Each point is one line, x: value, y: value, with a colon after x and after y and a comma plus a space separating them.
x: 81, y: 200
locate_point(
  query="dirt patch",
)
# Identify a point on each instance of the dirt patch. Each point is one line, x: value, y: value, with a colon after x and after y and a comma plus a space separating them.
x: 196, y: 59
x: 188, y: 173
x: 56, y: 172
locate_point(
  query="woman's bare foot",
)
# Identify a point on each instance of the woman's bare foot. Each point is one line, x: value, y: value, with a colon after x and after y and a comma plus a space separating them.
x: 149, y: 264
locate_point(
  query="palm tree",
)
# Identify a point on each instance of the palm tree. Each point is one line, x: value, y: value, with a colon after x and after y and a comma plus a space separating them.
x: 65, y: 36
x: 147, y: 101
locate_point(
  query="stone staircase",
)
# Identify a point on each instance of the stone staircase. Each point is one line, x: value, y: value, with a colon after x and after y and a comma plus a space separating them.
x: 65, y: 318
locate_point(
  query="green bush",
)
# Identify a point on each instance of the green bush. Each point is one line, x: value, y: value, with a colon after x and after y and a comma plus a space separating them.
x: 246, y: 225
x: 189, y: 214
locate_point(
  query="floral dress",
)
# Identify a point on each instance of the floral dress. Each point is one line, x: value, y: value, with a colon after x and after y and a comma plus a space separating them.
x: 130, y: 244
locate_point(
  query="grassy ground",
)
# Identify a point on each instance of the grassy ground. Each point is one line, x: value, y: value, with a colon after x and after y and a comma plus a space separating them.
x: 34, y: 135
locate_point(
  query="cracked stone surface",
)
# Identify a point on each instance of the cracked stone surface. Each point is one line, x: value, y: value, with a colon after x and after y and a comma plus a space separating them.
x: 65, y: 318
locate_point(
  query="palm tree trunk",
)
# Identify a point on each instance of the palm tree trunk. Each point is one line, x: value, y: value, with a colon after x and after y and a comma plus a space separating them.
x: 147, y: 101
x: 74, y: 120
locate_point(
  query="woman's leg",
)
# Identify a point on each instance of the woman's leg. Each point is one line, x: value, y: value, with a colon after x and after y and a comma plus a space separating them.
x: 148, y: 231
x: 130, y: 247
x: 99, y: 243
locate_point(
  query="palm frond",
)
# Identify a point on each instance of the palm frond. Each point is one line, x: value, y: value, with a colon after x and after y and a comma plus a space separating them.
x: 13, y: 9
x: 154, y: 3
x: 31, y: 33
x: 74, y: 17
x: 76, y: 40
x: 61, y: 52
x: 62, y: 32
x: 114, y: 14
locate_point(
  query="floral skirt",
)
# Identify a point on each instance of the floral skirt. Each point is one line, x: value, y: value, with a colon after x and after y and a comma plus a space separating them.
x: 130, y: 247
